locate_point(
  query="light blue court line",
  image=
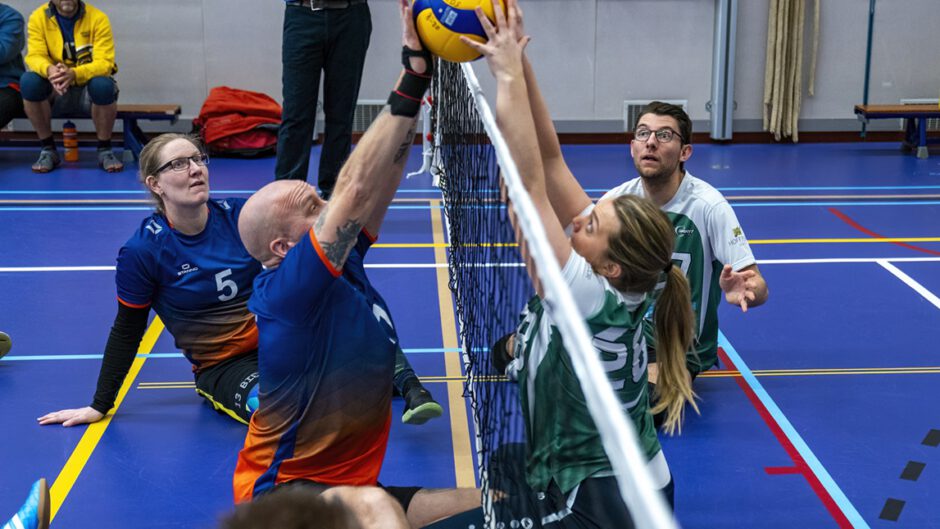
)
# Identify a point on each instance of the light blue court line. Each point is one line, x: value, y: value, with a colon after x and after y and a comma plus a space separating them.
x: 427, y: 207
x: 818, y: 469
x: 76, y: 208
x: 217, y: 192
x: 109, y: 192
x: 16, y: 358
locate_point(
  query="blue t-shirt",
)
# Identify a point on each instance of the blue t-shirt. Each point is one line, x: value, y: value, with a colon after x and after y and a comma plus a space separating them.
x: 326, y: 357
x: 67, y: 28
x: 199, y: 285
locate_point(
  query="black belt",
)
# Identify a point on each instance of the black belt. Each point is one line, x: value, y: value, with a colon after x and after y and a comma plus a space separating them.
x: 326, y: 4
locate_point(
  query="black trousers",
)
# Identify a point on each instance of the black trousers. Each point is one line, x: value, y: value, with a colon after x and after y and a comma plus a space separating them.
x: 11, y: 105
x: 334, y: 42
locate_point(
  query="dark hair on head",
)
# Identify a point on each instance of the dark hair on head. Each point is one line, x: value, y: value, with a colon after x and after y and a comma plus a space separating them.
x: 676, y: 112
x: 643, y: 248
x: 290, y: 507
x: 150, y: 160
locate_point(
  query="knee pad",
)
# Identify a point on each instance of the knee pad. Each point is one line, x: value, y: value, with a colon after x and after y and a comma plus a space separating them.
x: 102, y: 90
x: 34, y: 87
x: 252, y: 403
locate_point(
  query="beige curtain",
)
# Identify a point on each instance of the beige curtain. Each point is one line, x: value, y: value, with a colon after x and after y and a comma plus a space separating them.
x: 783, y: 74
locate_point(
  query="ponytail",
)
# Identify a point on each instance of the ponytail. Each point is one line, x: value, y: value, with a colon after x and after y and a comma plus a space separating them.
x: 674, y: 324
x: 643, y: 248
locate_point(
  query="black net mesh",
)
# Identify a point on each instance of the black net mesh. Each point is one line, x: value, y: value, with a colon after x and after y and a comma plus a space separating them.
x: 490, y: 288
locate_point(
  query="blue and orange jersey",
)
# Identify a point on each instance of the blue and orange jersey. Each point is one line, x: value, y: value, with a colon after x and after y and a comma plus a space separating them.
x: 326, y: 357
x: 199, y: 285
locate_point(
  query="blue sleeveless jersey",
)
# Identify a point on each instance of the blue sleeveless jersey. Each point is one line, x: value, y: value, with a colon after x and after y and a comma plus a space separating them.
x: 199, y: 285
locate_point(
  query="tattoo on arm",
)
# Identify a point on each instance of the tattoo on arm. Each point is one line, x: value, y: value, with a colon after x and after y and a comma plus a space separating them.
x: 337, y: 251
x: 406, y: 143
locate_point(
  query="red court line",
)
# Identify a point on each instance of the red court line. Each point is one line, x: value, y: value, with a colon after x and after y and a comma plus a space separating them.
x: 777, y: 471
x: 799, y: 464
x: 851, y: 222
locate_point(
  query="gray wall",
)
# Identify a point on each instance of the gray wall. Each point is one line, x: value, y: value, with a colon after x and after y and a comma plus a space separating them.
x: 590, y: 54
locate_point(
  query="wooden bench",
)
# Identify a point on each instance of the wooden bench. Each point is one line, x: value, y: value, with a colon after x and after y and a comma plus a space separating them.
x: 916, y: 116
x: 134, y: 138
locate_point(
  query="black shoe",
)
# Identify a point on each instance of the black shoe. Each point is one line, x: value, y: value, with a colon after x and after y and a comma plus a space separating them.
x: 500, y: 357
x: 420, y: 407
x: 5, y: 344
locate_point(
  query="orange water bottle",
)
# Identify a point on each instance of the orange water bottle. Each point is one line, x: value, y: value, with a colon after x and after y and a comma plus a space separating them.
x: 70, y: 139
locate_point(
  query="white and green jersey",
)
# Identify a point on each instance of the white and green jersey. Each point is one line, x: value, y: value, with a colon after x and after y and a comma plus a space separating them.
x: 563, y: 441
x: 708, y: 236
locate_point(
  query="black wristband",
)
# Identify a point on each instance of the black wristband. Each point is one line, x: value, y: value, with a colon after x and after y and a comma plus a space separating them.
x: 407, y: 53
x: 405, y: 99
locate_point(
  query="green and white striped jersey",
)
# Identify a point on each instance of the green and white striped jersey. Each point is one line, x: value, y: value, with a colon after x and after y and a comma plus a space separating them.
x: 563, y: 441
x: 708, y: 236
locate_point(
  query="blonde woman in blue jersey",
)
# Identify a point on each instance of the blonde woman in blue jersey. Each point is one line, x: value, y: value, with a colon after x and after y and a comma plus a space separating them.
x: 612, y: 261
x: 187, y: 263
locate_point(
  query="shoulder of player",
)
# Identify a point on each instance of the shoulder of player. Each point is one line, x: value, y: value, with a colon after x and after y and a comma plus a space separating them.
x: 231, y: 206
x: 630, y: 187
x: 151, y: 231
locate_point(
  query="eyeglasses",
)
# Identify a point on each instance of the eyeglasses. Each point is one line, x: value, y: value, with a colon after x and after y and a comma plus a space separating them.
x: 662, y: 135
x: 181, y: 164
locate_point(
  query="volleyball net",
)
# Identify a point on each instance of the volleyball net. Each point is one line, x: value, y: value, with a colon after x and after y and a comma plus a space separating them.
x: 491, y: 287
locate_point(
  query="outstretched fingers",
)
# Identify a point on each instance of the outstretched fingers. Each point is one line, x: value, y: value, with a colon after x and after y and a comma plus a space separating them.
x: 409, y: 35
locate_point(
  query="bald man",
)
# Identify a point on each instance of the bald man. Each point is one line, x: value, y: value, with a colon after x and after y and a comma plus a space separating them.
x: 327, y: 341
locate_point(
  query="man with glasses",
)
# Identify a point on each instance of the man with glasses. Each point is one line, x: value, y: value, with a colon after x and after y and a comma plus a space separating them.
x: 71, y: 63
x: 710, y: 247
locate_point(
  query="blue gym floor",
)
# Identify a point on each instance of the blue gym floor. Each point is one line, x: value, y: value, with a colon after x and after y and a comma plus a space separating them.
x: 824, y: 414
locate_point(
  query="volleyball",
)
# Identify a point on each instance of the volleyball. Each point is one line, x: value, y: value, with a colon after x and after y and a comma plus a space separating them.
x: 440, y: 23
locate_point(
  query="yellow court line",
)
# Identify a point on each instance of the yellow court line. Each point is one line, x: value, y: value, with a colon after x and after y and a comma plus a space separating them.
x: 459, y: 425
x: 167, y: 386
x: 929, y: 370
x: 821, y: 372
x: 86, y: 445
x: 845, y: 240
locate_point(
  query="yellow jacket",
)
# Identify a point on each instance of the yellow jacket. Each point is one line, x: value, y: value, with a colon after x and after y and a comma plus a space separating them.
x: 94, y: 44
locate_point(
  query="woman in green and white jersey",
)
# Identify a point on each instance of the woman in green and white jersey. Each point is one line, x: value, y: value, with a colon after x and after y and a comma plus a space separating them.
x: 612, y: 262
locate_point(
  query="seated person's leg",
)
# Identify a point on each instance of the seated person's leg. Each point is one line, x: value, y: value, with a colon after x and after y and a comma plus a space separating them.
x: 103, y: 92
x: 34, y: 514
x: 232, y: 386
x: 432, y: 505
x: 5, y: 344
x: 36, y: 91
x: 419, y: 404
x: 11, y: 105
x: 302, y: 506
x: 369, y: 506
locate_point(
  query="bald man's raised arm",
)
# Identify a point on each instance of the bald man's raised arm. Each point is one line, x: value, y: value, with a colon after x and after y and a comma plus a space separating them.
x: 365, y: 186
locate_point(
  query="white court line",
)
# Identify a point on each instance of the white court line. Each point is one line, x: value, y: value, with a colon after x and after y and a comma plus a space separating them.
x: 878, y: 260
x: 57, y: 269
x: 851, y: 260
x: 909, y: 281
